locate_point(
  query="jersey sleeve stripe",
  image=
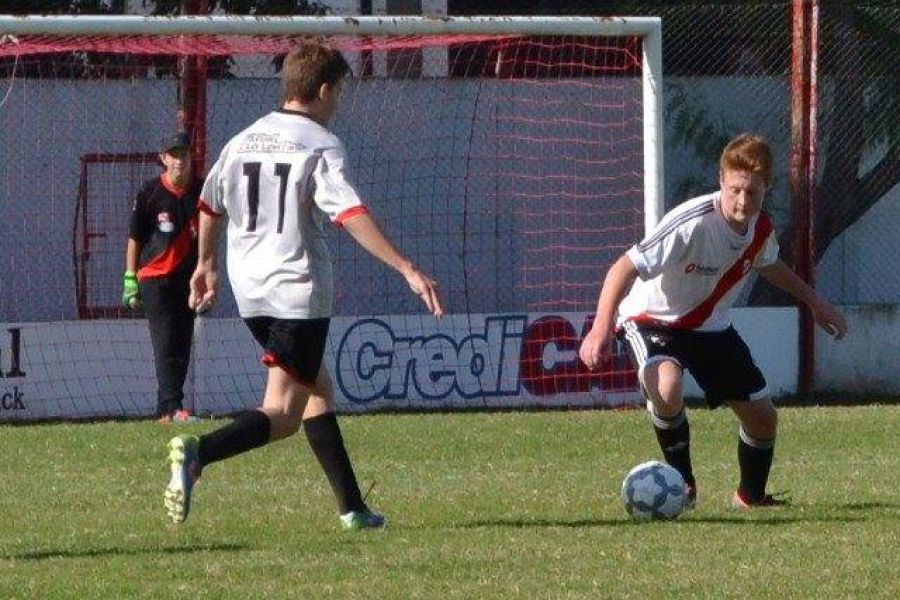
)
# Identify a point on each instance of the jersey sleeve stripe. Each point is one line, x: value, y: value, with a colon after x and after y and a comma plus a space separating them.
x: 348, y: 214
x: 205, y: 208
x: 659, y: 235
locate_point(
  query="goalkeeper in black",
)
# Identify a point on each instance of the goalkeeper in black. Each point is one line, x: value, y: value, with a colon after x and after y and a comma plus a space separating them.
x: 159, y: 259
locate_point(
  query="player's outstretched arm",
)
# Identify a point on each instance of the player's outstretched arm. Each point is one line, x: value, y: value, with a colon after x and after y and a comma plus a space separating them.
x: 367, y: 234
x: 205, y: 280
x: 828, y: 317
x: 617, y: 282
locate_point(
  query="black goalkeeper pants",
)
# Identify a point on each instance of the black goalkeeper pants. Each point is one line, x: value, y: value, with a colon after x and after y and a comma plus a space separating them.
x: 171, y: 332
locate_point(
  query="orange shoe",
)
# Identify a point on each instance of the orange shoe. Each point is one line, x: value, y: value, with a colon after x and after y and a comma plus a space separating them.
x: 183, y: 416
x: 740, y: 502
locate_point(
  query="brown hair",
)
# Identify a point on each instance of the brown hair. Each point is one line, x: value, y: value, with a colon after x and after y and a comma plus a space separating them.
x: 306, y: 68
x: 748, y: 152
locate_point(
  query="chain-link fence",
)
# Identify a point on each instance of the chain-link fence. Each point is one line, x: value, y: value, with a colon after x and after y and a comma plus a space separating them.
x: 858, y: 200
x: 727, y: 69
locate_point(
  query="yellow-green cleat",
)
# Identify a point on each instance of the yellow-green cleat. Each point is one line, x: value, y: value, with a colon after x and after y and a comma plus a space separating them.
x: 362, y: 519
x: 185, y: 468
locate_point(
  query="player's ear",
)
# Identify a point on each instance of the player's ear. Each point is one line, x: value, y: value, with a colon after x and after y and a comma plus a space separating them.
x: 324, y: 91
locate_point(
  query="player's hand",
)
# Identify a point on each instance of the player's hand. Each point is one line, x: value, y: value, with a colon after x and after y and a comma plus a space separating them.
x: 131, y: 295
x: 830, y: 319
x: 426, y: 289
x: 595, y: 344
x: 204, y: 288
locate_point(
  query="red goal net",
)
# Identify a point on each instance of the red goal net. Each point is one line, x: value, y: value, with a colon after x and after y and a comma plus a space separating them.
x: 510, y: 167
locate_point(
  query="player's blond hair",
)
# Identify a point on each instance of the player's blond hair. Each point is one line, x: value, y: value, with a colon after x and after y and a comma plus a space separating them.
x: 307, y: 67
x: 748, y: 152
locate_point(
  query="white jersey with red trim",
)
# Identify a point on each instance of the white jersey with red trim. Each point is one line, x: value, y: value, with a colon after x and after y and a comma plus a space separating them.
x: 692, y: 266
x: 277, y: 181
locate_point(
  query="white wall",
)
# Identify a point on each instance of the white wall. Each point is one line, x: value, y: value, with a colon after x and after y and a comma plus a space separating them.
x: 97, y: 368
x: 867, y: 361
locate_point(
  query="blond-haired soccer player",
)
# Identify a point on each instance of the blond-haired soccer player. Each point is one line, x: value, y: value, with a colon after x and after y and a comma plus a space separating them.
x: 670, y: 295
x: 275, y: 184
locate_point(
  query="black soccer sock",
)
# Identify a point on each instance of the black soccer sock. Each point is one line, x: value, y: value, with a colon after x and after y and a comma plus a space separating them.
x: 755, y: 461
x: 248, y: 431
x: 674, y: 437
x: 327, y: 443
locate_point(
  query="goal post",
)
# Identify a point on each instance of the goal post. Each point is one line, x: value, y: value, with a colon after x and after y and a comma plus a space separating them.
x: 514, y: 158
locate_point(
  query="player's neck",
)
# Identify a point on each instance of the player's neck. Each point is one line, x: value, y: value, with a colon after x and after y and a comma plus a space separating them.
x: 180, y: 181
x: 313, y: 111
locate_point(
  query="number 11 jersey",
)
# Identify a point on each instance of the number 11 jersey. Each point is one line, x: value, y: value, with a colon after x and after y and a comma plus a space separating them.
x: 277, y: 181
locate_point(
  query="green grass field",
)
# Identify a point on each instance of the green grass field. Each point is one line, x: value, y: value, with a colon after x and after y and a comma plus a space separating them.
x: 495, y: 505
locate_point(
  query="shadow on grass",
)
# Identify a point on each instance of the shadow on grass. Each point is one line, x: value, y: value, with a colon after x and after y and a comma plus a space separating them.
x: 90, y: 552
x: 865, y: 505
x: 759, y: 517
x: 518, y: 523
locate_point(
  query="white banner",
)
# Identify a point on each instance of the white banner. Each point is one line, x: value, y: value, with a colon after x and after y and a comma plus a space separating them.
x: 104, y: 368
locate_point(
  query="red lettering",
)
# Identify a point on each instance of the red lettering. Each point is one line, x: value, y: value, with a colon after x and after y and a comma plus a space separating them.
x: 569, y: 376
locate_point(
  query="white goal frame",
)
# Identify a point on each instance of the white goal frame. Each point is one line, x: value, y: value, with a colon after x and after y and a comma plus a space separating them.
x: 649, y: 29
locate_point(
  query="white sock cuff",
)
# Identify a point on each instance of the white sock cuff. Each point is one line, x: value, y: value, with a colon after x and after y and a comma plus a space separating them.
x: 668, y: 422
x: 755, y: 443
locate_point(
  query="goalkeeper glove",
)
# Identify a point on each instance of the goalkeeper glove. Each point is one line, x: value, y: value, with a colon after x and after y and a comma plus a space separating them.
x: 131, y: 296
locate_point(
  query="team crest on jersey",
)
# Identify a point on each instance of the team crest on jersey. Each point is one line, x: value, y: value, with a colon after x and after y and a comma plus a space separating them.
x: 745, y: 267
x: 164, y: 223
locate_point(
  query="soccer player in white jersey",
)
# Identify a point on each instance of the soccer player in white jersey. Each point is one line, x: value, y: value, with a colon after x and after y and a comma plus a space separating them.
x: 275, y: 183
x: 681, y: 280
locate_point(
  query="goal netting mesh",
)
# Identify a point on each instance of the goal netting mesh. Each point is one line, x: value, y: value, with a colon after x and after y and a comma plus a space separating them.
x: 510, y: 167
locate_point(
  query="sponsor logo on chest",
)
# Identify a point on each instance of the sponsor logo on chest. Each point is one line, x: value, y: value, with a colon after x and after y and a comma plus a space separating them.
x: 701, y: 269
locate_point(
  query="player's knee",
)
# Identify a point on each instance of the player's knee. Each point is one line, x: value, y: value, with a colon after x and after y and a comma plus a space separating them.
x: 771, y: 422
x: 769, y: 416
x: 762, y: 422
x: 662, y: 384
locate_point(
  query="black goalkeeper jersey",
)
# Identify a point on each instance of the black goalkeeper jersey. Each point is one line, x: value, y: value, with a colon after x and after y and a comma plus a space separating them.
x: 164, y: 223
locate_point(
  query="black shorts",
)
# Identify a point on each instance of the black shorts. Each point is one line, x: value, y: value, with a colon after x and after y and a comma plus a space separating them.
x: 720, y: 361
x: 296, y: 345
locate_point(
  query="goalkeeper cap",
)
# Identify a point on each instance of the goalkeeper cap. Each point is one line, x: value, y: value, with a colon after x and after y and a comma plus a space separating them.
x: 177, y: 140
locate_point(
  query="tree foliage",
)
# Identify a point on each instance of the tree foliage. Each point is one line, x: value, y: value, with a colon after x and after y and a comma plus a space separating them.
x: 246, y: 7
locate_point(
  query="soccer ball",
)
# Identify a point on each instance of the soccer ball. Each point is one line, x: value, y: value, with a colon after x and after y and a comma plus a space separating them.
x: 653, y: 490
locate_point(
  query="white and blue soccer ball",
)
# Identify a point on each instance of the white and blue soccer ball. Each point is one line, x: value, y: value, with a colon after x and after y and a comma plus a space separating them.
x: 653, y: 490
